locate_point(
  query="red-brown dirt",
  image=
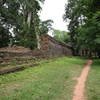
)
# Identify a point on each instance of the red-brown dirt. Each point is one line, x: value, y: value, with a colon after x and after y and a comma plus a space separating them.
x: 80, y: 86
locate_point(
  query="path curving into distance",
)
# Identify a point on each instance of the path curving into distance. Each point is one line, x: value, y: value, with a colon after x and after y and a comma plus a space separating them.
x: 80, y: 86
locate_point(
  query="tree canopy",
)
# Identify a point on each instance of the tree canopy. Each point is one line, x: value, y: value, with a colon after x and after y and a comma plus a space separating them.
x: 62, y: 36
x: 20, y: 18
x: 84, y: 26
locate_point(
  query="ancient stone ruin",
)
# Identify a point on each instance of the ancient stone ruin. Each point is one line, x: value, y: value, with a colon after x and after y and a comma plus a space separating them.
x: 53, y: 47
x: 49, y: 47
x: 18, y: 55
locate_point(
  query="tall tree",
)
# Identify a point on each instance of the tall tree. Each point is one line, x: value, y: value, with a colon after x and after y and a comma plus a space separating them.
x: 30, y: 25
x: 8, y: 18
x: 84, y: 17
x: 89, y: 33
x: 21, y: 16
x: 73, y: 14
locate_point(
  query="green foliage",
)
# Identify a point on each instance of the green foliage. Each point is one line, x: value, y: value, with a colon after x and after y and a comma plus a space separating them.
x: 8, y: 19
x: 62, y: 36
x: 84, y: 26
x: 45, y: 26
x: 21, y: 16
x: 93, y: 88
x: 4, y: 37
x: 45, y: 82
x: 28, y: 24
x: 72, y: 14
x: 89, y: 34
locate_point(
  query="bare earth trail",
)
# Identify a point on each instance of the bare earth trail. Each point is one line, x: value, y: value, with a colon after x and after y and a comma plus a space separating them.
x: 79, y: 90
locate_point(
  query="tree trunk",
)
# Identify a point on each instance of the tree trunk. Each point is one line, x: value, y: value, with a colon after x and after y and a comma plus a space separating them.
x: 38, y: 41
x: 11, y: 43
x: 29, y: 19
x: 73, y: 45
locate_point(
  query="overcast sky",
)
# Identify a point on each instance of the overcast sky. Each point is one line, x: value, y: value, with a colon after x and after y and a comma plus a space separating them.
x: 54, y: 9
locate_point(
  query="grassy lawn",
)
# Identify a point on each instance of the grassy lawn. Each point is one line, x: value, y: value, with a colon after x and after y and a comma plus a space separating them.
x: 48, y: 81
x: 93, y: 83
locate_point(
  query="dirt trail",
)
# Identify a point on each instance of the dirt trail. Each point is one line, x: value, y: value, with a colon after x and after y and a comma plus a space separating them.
x: 80, y: 86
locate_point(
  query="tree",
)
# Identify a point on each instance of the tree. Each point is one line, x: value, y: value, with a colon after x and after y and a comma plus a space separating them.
x: 89, y: 33
x: 4, y: 37
x: 8, y: 19
x: 73, y: 13
x: 21, y: 16
x: 62, y: 36
x: 45, y: 26
x: 29, y: 29
x: 84, y: 16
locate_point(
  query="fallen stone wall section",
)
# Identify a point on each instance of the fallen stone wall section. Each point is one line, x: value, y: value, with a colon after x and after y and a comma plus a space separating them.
x: 14, y: 69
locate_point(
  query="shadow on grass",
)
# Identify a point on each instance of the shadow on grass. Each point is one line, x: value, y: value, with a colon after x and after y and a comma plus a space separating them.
x: 96, y: 63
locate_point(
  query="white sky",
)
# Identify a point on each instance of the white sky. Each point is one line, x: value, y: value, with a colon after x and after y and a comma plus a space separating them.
x: 54, y: 9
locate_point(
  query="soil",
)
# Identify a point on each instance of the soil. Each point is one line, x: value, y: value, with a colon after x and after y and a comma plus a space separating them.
x: 79, y: 90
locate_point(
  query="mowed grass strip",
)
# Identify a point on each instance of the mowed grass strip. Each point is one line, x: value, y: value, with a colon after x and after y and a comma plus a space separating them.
x: 48, y: 81
x: 93, y: 83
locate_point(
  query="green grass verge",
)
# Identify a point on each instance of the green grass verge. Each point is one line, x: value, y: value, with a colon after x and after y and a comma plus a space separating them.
x: 93, y: 83
x: 48, y: 81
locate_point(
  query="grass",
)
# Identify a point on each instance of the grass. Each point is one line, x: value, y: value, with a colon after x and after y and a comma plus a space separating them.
x: 48, y: 81
x: 93, y: 83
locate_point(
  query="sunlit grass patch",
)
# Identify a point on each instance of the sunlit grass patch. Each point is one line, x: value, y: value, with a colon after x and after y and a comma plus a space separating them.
x: 93, y: 83
x: 48, y: 81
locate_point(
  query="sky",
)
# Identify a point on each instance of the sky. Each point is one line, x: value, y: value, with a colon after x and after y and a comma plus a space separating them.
x: 54, y: 9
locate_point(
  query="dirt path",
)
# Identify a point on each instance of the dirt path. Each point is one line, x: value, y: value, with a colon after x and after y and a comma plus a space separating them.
x: 80, y: 86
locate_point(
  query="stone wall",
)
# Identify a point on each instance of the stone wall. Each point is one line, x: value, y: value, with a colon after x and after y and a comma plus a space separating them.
x: 49, y: 47
x: 53, y: 47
